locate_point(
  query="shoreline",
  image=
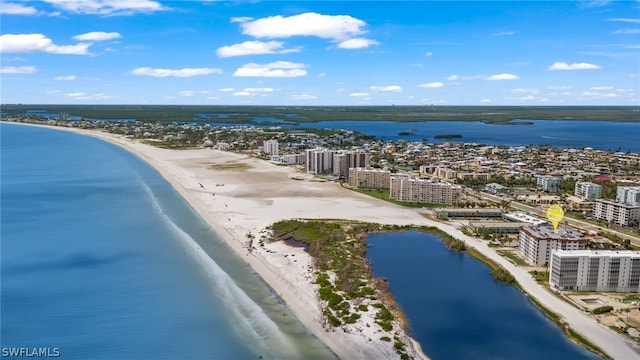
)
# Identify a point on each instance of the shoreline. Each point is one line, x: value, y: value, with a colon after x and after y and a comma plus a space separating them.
x: 235, y: 211
x: 254, y: 210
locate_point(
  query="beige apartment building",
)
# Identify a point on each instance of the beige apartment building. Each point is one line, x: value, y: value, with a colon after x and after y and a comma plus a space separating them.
x: 405, y: 188
x: 369, y: 178
x: 618, y: 213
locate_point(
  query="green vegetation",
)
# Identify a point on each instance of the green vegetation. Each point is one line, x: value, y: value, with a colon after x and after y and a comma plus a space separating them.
x: 602, y: 309
x: 498, y: 272
x: 246, y: 114
x: 571, y: 334
x: 512, y: 257
x: 540, y: 276
x: 630, y: 298
x: 385, y: 338
x: 618, y: 240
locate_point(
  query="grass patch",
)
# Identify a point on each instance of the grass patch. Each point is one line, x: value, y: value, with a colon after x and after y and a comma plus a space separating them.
x: 230, y: 166
x: 512, y: 257
x: 541, y: 277
x: 385, y: 195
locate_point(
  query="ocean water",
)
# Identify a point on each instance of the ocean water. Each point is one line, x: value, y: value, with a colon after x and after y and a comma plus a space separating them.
x: 456, y: 310
x: 96, y: 261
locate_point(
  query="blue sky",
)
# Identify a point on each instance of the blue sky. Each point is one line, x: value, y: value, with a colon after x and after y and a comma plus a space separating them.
x: 320, y: 53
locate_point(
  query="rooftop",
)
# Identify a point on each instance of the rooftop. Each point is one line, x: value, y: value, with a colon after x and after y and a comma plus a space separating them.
x: 599, y: 253
x: 546, y: 232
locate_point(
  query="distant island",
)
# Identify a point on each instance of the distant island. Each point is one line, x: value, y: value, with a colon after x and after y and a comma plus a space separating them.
x: 237, y: 114
x: 409, y: 133
x: 448, y: 136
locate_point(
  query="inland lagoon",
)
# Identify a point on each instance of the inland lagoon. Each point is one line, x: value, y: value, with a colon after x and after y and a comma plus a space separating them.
x: 454, y: 307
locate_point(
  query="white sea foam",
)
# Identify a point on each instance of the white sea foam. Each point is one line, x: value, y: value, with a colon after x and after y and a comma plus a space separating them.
x: 248, y: 317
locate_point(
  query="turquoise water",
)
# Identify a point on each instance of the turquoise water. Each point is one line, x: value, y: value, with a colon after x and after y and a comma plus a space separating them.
x: 455, y: 308
x: 95, y: 262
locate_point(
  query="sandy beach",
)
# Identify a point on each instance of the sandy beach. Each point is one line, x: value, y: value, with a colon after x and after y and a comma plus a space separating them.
x: 239, y: 195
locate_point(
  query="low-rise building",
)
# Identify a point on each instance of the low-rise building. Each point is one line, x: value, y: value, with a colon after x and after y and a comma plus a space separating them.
x: 501, y: 227
x: 536, y: 242
x: 446, y: 213
x: 595, y: 270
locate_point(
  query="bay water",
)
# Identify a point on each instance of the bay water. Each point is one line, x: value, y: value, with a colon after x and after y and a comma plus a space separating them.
x: 96, y: 262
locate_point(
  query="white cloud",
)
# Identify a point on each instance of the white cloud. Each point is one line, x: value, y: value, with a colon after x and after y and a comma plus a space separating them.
x: 525, y: 91
x: 429, y: 54
x: 485, y: 101
x: 282, y: 69
x: 255, y: 91
x: 253, y: 48
x: 558, y: 65
x: 186, y: 72
x: 16, y: 9
x: 357, y: 43
x: 18, y: 70
x: 336, y: 27
x: 527, y: 98
x: 602, y: 88
x: 359, y: 94
x: 259, y: 89
x: 187, y: 93
x: 51, y: 92
x: 85, y: 96
x: 456, y: 77
x: 303, y: 97
x: 107, y: 7
x: 503, y: 76
x: 97, y: 36
x: 627, y: 31
x: 504, y: 33
x: 627, y: 20
x: 390, y: 88
x: 226, y: 89
x: 432, y: 85
x: 66, y: 78
x: 24, y: 43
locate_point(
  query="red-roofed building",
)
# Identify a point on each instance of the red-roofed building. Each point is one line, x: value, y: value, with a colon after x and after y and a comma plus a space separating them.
x: 602, y: 178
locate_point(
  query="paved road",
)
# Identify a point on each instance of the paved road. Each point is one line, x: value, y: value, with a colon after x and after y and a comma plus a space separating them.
x: 571, y: 222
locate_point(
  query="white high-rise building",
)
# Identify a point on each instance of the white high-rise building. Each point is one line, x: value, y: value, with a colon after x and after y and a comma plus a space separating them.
x: 319, y: 160
x: 548, y: 183
x: 595, y: 270
x: 270, y: 147
x: 588, y: 190
x: 629, y: 195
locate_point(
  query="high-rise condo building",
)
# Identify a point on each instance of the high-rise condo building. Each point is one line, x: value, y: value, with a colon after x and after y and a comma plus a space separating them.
x: 595, y: 270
